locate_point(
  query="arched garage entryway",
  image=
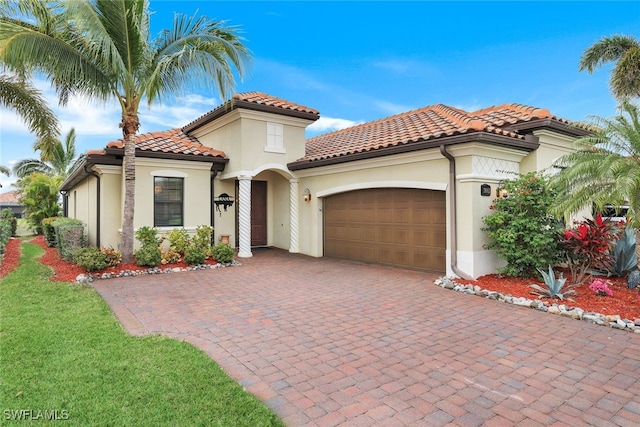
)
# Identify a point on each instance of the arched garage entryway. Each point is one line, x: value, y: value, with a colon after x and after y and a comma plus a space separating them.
x: 403, y: 227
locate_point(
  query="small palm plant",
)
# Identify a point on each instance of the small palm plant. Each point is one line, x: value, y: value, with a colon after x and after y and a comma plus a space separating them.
x: 553, y: 286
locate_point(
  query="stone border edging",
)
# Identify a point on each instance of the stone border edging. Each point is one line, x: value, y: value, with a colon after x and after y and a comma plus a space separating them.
x: 613, y: 321
x: 90, y: 277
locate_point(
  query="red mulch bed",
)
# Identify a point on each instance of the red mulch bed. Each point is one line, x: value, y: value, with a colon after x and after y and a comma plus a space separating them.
x: 11, y: 259
x: 67, y: 272
x: 625, y: 302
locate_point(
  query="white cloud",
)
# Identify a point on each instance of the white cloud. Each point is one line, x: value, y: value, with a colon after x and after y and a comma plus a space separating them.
x: 391, y: 108
x: 330, y: 124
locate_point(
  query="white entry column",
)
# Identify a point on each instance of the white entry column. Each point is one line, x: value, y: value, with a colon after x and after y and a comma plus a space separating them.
x: 244, y: 223
x: 293, y: 214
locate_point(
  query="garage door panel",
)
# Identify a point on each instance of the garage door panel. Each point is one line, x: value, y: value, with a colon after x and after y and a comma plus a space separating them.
x: 401, y: 227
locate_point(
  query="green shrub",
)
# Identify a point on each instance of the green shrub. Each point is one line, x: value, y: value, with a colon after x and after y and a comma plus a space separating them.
x: 5, y: 235
x: 202, y: 239
x: 69, y: 236
x: 148, y: 236
x: 148, y: 256
x: 7, y: 215
x: 222, y: 253
x: 178, y: 240
x: 194, y: 255
x: 112, y: 256
x: 520, y: 228
x: 90, y: 258
x: 49, y: 230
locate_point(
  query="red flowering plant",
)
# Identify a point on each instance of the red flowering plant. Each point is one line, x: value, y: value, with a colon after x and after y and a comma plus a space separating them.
x: 601, y: 287
x: 589, y: 245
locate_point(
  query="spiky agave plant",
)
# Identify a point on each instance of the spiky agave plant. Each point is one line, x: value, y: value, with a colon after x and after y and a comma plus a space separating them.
x: 554, y: 286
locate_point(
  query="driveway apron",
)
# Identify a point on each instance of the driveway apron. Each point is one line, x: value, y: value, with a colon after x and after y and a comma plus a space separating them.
x: 325, y: 342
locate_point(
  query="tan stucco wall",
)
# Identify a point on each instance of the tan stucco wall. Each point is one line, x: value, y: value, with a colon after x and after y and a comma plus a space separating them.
x: 552, y: 147
x: 196, y: 200
x: 242, y: 135
x: 81, y: 205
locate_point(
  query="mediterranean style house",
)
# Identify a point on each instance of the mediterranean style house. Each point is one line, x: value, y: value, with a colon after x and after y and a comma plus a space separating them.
x: 408, y: 190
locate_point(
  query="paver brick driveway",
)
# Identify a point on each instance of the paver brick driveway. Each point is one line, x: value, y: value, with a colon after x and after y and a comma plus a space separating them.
x: 328, y: 342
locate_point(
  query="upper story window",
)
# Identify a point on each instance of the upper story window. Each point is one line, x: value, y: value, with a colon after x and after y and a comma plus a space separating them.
x: 168, y: 202
x: 275, y: 140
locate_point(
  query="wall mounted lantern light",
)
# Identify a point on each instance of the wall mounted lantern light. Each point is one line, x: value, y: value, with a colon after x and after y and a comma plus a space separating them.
x: 501, y: 192
x: 307, y: 195
x: 223, y: 200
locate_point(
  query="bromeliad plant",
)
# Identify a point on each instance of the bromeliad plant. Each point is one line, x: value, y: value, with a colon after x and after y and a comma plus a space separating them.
x: 589, y: 245
x: 554, y: 286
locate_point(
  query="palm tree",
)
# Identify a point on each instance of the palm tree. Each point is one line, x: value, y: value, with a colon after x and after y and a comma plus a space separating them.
x: 105, y: 52
x: 28, y: 102
x: 625, y: 51
x: 61, y: 161
x: 604, y: 169
x: 4, y: 171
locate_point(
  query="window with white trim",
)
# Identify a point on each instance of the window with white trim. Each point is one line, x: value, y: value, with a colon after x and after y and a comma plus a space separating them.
x: 275, y: 140
x: 168, y: 201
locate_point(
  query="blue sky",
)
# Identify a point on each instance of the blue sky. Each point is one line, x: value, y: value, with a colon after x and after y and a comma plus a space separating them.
x: 359, y: 61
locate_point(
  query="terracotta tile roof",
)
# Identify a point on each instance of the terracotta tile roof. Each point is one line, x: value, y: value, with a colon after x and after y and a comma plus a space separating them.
x: 272, y: 101
x: 172, y: 141
x: 9, y: 198
x: 256, y: 101
x: 423, y: 124
x: 508, y: 114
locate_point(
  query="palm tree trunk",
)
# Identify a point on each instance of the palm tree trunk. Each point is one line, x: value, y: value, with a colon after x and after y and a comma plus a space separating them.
x: 638, y: 248
x: 126, y: 244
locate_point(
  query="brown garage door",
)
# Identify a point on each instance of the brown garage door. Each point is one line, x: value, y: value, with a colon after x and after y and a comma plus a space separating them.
x: 395, y: 226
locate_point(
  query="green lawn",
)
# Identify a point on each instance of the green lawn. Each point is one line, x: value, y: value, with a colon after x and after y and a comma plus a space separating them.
x: 63, y: 351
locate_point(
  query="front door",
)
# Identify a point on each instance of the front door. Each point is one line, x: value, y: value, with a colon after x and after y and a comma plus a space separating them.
x: 258, y: 213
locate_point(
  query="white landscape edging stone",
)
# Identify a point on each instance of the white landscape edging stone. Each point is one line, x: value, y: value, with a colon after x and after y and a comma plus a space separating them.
x: 90, y: 277
x: 613, y: 321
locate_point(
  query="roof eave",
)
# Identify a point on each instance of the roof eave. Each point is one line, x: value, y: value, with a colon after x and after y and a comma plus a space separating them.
x: 548, y: 123
x: 247, y: 105
x: 530, y: 143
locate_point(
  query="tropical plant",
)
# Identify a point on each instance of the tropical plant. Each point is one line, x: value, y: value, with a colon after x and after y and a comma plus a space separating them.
x: 178, y: 240
x: 20, y: 96
x: 202, y: 239
x: 520, y: 228
x: 604, y: 169
x: 62, y: 159
x: 103, y: 50
x: 112, y: 256
x: 39, y: 197
x: 5, y: 171
x: 625, y: 52
x: 589, y: 245
x: 7, y: 215
x: 625, y: 257
x: 601, y: 287
x: 553, y: 285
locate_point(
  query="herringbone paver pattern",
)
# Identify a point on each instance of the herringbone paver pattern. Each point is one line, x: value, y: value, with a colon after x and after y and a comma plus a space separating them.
x: 325, y: 342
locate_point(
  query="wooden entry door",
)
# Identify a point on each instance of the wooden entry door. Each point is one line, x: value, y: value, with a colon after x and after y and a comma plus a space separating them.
x: 258, y: 213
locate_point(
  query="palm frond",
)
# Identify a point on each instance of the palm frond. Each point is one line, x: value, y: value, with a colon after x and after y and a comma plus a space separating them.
x: 604, y: 169
x: 31, y: 106
x: 196, y: 50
